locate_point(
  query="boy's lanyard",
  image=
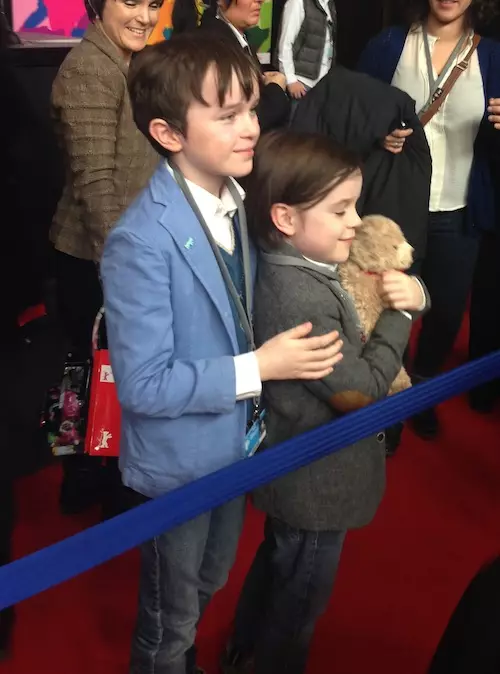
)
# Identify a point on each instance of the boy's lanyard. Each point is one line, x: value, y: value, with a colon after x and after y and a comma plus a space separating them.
x: 244, y: 312
x: 435, y: 85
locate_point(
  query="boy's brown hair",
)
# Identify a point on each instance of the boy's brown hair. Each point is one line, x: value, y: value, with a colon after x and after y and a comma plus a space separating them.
x: 165, y: 78
x: 296, y: 169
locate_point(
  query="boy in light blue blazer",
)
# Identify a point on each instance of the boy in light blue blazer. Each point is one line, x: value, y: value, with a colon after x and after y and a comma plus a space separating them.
x: 178, y: 275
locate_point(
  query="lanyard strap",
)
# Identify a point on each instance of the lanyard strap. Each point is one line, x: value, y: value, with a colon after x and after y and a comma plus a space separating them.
x: 435, y: 85
x: 244, y: 312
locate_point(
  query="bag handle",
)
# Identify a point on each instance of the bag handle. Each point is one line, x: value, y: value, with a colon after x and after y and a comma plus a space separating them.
x: 96, y: 330
x: 441, y: 94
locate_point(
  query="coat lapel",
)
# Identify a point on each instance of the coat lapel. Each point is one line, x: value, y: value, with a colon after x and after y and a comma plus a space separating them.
x: 193, y: 245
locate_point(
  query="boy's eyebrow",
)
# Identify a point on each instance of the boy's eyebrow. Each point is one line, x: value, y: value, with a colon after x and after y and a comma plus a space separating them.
x: 235, y: 106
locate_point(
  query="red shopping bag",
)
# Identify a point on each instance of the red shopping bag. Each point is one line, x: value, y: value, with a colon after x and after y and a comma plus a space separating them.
x: 102, y: 436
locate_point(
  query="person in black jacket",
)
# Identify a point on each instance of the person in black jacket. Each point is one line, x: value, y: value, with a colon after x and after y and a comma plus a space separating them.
x: 231, y: 19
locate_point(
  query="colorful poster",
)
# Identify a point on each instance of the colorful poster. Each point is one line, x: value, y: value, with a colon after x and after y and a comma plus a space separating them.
x: 55, y: 17
x: 68, y: 18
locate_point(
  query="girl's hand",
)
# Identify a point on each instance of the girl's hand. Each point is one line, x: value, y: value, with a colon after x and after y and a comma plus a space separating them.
x: 494, y: 112
x: 402, y: 292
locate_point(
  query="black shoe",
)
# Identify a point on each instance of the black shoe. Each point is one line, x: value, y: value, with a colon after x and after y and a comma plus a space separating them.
x: 236, y: 662
x: 7, y: 619
x: 426, y: 424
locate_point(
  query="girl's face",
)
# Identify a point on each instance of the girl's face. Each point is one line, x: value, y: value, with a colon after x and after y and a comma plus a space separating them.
x: 129, y: 23
x: 449, y: 11
x: 324, y: 232
x: 243, y: 14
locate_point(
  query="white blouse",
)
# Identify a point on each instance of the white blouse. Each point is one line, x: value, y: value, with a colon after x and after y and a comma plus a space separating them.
x: 452, y: 131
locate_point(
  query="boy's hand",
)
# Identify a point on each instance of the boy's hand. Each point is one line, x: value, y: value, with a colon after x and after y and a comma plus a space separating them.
x: 293, y: 355
x: 402, y: 292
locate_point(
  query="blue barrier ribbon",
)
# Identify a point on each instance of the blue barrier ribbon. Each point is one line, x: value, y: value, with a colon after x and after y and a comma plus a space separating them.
x: 64, y: 560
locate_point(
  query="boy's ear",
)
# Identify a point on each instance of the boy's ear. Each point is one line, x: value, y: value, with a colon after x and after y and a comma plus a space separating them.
x: 165, y: 135
x: 284, y: 217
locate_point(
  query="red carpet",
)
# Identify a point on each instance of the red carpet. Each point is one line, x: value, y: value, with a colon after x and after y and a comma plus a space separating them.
x: 400, y: 578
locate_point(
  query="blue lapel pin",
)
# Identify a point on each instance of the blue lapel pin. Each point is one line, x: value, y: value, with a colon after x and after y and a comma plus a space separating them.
x: 189, y: 244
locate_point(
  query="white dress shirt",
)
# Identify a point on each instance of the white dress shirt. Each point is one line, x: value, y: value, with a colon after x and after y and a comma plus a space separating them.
x: 218, y: 214
x: 452, y: 131
x: 292, y: 19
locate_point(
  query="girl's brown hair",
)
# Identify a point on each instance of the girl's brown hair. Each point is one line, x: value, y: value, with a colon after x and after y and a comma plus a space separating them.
x: 296, y: 169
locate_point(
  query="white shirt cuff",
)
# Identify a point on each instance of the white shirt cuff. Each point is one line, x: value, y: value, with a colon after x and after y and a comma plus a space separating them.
x: 424, y: 297
x: 291, y: 80
x: 405, y: 313
x: 248, y: 383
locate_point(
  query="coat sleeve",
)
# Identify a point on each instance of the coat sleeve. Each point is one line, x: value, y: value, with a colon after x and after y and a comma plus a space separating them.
x: 141, y: 333
x: 87, y: 103
x: 363, y: 376
x: 374, y: 56
x: 274, y: 107
x: 365, y: 372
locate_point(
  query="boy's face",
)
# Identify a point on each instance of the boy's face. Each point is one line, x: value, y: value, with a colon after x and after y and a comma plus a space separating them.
x: 219, y: 141
x: 325, y: 232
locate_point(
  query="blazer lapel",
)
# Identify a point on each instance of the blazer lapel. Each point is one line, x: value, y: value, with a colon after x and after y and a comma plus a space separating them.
x: 194, y: 247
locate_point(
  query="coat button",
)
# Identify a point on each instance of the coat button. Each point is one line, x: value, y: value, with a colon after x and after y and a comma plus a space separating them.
x: 380, y: 437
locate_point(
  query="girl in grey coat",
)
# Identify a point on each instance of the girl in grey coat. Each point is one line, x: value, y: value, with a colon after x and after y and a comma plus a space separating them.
x: 301, y: 203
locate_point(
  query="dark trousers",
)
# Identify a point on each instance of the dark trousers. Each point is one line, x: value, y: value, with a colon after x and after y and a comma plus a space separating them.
x: 447, y: 270
x: 87, y: 480
x: 79, y: 298
x: 484, y: 311
x: 180, y: 572
x: 287, y: 589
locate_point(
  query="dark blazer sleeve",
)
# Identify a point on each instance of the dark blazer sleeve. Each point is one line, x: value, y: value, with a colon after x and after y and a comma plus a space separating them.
x: 274, y: 107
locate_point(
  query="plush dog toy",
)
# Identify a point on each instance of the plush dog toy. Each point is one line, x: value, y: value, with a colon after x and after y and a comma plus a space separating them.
x: 379, y: 246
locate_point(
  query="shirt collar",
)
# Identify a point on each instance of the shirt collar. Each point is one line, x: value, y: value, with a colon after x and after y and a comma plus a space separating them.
x: 210, y: 205
x: 331, y: 267
x: 240, y: 37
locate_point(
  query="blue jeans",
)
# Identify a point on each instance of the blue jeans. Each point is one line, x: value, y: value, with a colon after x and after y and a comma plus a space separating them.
x: 181, y: 570
x: 287, y: 589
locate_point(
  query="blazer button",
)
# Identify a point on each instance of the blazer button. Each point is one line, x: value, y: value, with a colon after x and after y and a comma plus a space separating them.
x: 380, y: 437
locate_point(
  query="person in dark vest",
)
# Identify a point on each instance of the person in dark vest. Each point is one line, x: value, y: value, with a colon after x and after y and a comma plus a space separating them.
x: 307, y: 44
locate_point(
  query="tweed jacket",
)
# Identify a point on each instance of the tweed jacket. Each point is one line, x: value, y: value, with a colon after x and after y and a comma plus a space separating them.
x: 107, y: 159
x: 343, y: 490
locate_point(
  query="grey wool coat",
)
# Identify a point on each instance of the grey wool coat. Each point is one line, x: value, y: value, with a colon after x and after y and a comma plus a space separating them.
x: 341, y: 491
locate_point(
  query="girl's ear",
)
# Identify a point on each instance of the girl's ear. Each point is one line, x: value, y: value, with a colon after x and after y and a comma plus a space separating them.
x: 284, y: 218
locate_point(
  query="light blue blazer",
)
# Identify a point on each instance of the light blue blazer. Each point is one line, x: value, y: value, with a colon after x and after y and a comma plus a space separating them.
x: 172, y: 340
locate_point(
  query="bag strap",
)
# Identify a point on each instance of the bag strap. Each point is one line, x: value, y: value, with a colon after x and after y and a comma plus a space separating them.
x: 442, y: 93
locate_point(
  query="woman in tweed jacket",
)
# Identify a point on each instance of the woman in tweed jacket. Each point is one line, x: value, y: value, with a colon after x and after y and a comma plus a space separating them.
x: 107, y: 162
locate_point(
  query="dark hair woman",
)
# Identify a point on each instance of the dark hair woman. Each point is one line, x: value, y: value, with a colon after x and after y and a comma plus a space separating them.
x: 441, y: 39
x: 108, y: 161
